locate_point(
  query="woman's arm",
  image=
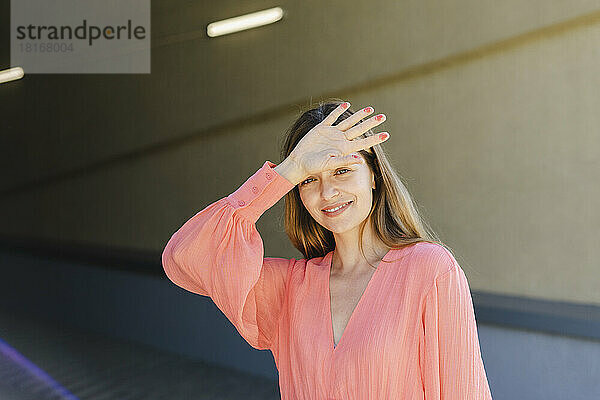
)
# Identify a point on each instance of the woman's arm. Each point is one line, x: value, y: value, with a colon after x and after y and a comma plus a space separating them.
x: 219, y: 253
x: 451, y: 363
x: 291, y: 170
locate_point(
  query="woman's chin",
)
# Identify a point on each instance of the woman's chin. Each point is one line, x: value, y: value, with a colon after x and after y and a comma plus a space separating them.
x: 339, y: 227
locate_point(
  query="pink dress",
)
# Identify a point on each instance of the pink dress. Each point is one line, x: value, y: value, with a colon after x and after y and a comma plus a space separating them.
x: 412, y: 335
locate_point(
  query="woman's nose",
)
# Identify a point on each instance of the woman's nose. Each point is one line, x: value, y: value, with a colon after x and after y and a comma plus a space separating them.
x: 328, y: 192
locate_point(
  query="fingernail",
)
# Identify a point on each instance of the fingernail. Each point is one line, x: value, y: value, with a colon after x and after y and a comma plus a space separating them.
x: 380, y: 117
x: 345, y: 105
x: 355, y: 156
x: 368, y: 109
x: 384, y: 135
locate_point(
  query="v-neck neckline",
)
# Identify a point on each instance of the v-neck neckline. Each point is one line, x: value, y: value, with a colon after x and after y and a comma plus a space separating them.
x: 333, y: 347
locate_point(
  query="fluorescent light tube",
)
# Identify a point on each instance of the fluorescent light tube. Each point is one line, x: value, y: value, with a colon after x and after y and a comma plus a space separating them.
x: 11, y: 74
x: 243, y: 22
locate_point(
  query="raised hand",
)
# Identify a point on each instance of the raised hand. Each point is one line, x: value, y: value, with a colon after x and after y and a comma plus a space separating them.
x: 326, y: 147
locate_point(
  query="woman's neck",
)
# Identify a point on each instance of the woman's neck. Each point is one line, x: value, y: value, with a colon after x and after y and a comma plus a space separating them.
x: 348, y: 258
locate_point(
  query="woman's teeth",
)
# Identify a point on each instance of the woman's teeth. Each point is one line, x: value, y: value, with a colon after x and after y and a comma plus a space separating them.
x: 337, y: 208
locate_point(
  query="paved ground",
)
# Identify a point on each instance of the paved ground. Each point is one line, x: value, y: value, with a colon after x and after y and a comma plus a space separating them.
x: 62, y: 363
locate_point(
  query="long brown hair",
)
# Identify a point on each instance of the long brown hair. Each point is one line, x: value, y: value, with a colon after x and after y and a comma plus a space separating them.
x: 394, y: 217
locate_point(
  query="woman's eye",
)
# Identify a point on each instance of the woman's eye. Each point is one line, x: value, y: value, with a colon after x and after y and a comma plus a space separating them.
x: 311, y: 179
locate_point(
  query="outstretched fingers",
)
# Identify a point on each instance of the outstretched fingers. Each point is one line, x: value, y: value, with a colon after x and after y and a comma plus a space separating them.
x: 335, y: 114
x: 354, y: 118
x: 368, y: 142
x: 364, y: 126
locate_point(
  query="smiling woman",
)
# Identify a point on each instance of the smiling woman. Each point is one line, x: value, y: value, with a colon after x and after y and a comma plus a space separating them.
x: 376, y: 309
x: 382, y: 204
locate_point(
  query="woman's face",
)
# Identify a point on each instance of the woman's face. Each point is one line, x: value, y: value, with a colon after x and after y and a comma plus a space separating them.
x: 352, y: 183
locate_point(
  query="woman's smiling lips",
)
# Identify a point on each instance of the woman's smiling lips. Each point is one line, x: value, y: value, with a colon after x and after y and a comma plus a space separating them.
x: 337, y: 212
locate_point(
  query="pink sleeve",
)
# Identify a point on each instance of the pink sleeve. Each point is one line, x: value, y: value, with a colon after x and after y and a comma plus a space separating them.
x: 219, y: 253
x: 451, y: 363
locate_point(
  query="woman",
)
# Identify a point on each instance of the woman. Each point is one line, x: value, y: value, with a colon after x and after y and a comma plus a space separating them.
x: 376, y: 309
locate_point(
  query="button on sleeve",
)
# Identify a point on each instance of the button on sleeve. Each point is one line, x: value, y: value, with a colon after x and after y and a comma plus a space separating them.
x: 260, y: 192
